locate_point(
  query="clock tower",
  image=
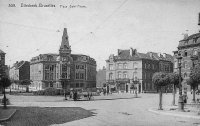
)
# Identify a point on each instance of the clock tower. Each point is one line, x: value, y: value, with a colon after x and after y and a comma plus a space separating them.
x: 65, y: 61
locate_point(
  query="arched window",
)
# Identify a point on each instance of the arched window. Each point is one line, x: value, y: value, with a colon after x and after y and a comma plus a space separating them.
x: 125, y: 75
x: 119, y: 75
x: 185, y: 53
x: 110, y: 76
x: 195, y: 52
x: 125, y: 66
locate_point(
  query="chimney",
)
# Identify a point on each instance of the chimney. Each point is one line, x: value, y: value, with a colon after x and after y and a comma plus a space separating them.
x: 164, y: 54
x: 185, y: 36
x: 131, y: 51
x: 119, y: 51
x: 134, y: 51
x: 151, y: 54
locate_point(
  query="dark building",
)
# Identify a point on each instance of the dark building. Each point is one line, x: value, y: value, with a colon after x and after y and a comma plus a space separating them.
x: 20, y: 71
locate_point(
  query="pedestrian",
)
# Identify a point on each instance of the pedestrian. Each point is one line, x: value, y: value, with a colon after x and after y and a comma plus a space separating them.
x: 75, y: 95
x: 185, y: 97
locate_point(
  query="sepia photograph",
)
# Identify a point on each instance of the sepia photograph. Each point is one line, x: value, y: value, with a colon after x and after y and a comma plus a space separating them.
x: 99, y: 62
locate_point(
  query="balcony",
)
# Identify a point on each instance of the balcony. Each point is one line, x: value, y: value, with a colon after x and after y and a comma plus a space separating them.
x: 123, y: 80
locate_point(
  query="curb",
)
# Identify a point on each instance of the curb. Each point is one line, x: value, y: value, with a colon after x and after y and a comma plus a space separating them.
x: 174, y: 114
x: 5, y: 119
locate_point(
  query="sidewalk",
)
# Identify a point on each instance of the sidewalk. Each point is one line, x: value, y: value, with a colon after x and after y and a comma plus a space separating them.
x: 189, y: 111
x: 6, y: 114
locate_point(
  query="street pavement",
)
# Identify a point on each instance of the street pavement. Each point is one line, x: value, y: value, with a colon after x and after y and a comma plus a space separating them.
x: 117, y: 112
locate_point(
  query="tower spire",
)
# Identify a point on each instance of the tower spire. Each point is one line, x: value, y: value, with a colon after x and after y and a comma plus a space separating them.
x: 65, y: 47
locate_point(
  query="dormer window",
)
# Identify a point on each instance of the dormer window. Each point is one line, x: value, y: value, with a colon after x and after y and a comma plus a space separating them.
x: 186, y: 42
x: 195, y: 52
x: 185, y: 53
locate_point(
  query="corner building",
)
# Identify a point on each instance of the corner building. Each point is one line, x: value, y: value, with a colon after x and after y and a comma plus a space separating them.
x: 189, y: 48
x: 131, y: 68
x: 63, y: 70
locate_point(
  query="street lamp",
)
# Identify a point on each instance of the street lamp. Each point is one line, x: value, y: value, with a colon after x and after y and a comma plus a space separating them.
x: 136, y: 82
x: 180, y: 100
x: 193, y: 58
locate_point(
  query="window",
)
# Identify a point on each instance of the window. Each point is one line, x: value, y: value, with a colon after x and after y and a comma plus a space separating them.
x: 119, y: 66
x: 185, y: 64
x: 195, y: 52
x: 64, y: 67
x: 125, y: 65
x: 185, y: 53
x: 153, y: 67
x: 110, y: 76
x: 135, y: 66
x: 77, y: 66
x: 125, y: 75
x: 77, y: 75
x: 81, y: 84
x: 119, y: 75
x: 46, y: 67
x: 81, y: 75
x: 77, y: 84
x: 145, y: 76
x: 149, y: 66
x: 110, y: 66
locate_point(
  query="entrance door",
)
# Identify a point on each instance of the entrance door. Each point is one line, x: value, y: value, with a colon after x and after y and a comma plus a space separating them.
x: 126, y: 88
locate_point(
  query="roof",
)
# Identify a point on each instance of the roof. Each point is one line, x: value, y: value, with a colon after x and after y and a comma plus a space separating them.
x: 2, y: 51
x: 132, y: 54
x: 17, y: 65
x: 197, y: 35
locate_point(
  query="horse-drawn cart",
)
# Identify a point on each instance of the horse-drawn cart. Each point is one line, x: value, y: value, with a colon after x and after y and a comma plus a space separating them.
x: 83, y: 94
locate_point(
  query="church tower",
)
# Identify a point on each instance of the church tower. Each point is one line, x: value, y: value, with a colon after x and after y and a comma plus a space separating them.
x: 65, y: 61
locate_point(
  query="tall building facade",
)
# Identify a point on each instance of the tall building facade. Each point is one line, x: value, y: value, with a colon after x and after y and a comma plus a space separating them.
x: 63, y: 70
x: 43, y: 71
x: 2, y: 62
x: 130, y: 68
x: 189, y: 48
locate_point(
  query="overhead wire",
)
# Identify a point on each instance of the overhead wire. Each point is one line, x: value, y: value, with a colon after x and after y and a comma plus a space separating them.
x: 106, y: 19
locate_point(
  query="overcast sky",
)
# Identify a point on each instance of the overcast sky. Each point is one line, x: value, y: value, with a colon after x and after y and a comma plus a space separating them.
x: 95, y: 27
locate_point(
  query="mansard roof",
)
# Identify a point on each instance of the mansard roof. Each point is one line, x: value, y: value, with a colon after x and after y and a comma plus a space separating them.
x: 82, y: 58
x: 189, y: 41
x: 132, y: 54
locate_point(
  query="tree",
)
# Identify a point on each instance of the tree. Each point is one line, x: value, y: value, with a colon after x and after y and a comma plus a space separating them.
x: 174, y: 80
x: 160, y: 80
x: 194, y: 80
x: 4, y: 82
x: 26, y: 83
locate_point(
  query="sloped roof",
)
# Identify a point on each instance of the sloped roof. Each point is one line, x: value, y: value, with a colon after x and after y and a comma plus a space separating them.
x: 2, y: 51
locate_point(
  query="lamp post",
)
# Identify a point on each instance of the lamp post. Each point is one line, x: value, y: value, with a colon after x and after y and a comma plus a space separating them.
x: 193, y: 58
x: 180, y: 100
x: 135, y: 82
